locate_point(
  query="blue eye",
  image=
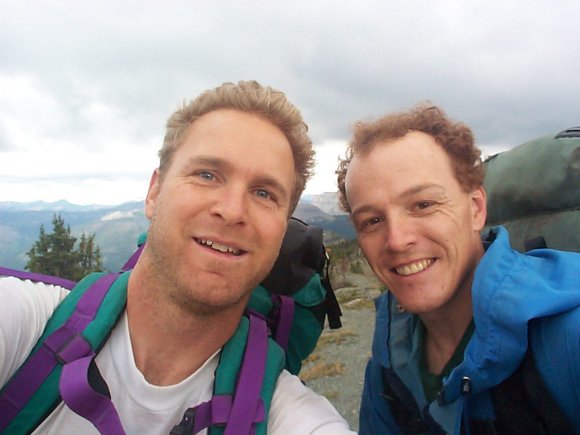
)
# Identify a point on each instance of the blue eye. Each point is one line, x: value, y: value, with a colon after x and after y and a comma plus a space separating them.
x: 206, y: 175
x: 263, y: 194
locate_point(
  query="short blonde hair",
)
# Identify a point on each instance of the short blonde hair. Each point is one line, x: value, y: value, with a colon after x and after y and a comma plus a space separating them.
x: 246, y: 96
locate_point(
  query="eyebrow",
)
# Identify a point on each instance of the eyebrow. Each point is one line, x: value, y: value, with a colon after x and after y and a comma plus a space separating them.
x: 405, y: 194
x: 421, y: 188
x: 214, y: 162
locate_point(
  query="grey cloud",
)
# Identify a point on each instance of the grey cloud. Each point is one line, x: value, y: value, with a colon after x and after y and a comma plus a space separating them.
x: 505, y: 70
x: 75, y: 177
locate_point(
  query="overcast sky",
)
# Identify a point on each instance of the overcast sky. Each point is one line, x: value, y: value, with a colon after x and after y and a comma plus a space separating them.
x: 86, y: 86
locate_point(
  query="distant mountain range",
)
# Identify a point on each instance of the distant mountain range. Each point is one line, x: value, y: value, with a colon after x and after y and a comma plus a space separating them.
x: 118, y: 227
x: 327, y: 202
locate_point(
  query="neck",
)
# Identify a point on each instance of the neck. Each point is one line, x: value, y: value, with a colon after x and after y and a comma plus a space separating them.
x: 444, y: 330
x: 169, y: 342
x: 445, y: 326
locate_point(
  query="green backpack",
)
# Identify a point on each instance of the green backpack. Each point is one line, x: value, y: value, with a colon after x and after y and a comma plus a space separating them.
x: 534, y: 190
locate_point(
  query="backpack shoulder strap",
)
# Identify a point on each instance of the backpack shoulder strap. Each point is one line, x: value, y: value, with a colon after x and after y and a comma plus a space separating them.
x: 404, y: 409
x: 524, y: 404
x: 76, y: 331
x: 245, y: 379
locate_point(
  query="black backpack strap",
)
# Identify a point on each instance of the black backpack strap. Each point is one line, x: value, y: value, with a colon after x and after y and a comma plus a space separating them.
x: 404, y: 409
x: 524, y: 404
x: 333, y: 311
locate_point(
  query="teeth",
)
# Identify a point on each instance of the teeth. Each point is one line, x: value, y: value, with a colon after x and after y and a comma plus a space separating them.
x: 412, y: 268
x: 219, y: 246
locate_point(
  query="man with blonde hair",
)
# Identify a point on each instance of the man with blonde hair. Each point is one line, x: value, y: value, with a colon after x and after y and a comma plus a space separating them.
x: 450, y: 351
x: 233, y: 165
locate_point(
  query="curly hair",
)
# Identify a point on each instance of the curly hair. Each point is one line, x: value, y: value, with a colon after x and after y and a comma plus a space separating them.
x: 455, y: 138
x: 251, y: 97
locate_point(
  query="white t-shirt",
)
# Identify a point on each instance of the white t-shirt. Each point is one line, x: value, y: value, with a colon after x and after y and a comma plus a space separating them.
x: 25, y: 307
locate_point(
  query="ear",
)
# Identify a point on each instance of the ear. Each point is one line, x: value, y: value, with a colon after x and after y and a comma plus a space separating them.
x: 152, y: 193
x: 478, y: 201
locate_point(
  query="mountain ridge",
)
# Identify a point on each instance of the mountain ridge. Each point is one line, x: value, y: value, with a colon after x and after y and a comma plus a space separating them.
x: 116, y: 227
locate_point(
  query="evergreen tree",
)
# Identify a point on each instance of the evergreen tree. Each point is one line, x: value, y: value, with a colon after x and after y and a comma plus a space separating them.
x: 55, y: 253
x: 39, y: 254
x: 89, y: 255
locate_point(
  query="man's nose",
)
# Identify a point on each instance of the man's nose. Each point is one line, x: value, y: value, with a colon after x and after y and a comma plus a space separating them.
x: 400, y: 233
x: 230, y: 204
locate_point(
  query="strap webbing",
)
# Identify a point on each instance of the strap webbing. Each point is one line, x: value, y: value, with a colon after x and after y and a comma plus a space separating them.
x: 64, y: 345
x: 241, y: 412
x: 247, y: 396
x: 38, y: 277
x: 132, y: 261
x: 212, y: 412
x: 80, y: 397
x: 285, y: 317
x: 333, y: 311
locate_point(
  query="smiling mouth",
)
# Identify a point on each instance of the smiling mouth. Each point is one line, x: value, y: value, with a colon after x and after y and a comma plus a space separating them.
x: 219, y: 247
x: 415, y: 267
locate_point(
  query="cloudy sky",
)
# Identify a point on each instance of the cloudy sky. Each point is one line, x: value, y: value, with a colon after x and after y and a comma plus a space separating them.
x: 86, y: 86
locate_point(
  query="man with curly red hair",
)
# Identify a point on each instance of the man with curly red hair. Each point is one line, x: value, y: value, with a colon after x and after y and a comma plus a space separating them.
x: 451, y: 333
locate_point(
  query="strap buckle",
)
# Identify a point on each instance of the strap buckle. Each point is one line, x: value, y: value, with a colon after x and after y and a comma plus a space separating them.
x: 185, y: 426
x: 68, y: 346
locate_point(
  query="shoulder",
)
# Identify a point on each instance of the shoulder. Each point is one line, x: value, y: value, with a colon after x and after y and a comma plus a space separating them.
x: 25, y: 309
x: 383, y: 315
x: 297, y: 409
x: 27, y: 301
x: 555, y: 342
x: 557, y: 338
x: 38, y: 294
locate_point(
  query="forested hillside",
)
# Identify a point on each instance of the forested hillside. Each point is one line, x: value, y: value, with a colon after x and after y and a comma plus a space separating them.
x: 116, y: 228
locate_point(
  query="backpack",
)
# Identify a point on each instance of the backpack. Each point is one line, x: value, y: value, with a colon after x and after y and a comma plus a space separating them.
x: 533, y: 191
x: 290, y: 305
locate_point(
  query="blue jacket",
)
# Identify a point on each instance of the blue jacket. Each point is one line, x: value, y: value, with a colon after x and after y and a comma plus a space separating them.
x: 512, y: 292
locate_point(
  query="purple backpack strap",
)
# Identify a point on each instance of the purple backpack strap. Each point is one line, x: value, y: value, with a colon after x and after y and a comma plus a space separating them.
x: 80, y: 397
x: 132, y: 261
x: 65, y: 345
x: 214, y: 411
x: 38, y: 277
x: 251, y: 376
x: 241, y: 412
x: 284, y: 320
x: 74, y: 384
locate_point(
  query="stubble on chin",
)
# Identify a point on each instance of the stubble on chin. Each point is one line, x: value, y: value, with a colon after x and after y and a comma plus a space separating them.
x: 207, y: 302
